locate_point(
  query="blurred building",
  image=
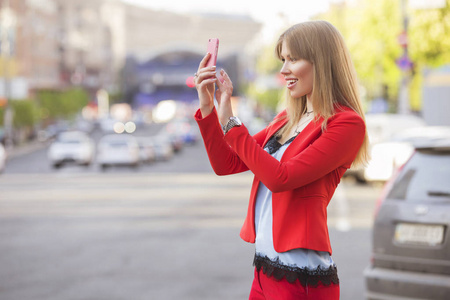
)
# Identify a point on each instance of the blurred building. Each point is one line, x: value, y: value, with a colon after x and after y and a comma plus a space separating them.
x: 60, y: 43
x: 36, y: 43
x: 164, y: 49
x: 91, y: 42
x: 110, y: 45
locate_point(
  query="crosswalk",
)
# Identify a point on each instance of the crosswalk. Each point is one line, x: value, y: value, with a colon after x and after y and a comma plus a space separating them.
x: 159, y: 201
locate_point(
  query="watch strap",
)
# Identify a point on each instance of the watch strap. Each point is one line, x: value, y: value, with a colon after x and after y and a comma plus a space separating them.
x: 232, y: 122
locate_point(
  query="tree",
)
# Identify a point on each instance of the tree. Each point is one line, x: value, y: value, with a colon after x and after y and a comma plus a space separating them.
x: 55, y: 104
x: 268, y: 66
x: 25, y: 113
x: 371, y: 30
x: 429, y: 45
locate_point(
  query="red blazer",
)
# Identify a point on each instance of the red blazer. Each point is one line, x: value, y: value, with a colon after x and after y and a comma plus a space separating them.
x: 302, y: 182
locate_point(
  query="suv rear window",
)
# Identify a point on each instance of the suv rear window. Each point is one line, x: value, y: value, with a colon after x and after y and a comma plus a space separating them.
x: 425, y: 177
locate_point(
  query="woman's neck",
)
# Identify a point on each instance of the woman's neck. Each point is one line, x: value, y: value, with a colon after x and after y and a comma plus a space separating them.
x: 309, y: 106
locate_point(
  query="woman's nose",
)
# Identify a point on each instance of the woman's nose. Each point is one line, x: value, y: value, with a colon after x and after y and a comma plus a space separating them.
x: 284, y: 69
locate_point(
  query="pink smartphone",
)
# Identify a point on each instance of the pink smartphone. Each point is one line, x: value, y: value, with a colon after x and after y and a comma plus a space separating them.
x: 213, y: 48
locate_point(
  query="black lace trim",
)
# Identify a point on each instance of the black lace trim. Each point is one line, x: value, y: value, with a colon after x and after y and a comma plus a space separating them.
x: 310, y: 277
x: 273, y: 145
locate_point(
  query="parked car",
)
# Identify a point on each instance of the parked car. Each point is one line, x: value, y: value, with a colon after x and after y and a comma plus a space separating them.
x: 52, y: 131
x: 146, y: 151
x: 118, y: 149
x: 411, y: 236
x: 71, y: 147
x: 2, y: 157
x: 186, y: 130
x: 162, y: 146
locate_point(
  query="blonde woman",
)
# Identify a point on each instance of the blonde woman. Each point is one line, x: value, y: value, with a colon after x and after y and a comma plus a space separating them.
x: 298, y: 159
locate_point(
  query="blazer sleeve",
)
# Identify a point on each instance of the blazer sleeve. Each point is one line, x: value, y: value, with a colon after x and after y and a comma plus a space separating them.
x: 222, y: 157
x: 337, y: 146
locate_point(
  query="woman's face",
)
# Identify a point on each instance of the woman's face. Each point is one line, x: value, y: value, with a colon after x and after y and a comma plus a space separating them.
x: 297, y: 72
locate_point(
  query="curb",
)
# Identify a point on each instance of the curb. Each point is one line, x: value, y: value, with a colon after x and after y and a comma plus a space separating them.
x: 21, y: 150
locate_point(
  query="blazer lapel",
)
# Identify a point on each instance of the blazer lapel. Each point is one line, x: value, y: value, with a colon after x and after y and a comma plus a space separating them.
x: 305, y: 138
x: 273, y: 129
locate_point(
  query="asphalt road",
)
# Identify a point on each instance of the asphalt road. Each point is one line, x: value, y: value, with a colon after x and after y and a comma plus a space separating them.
x: 169, y: 230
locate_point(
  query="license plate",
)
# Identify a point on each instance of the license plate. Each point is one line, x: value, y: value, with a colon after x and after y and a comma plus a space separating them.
x: 421, y: 234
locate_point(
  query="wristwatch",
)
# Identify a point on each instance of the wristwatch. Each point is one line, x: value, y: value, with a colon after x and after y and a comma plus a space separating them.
x: 232, y: 122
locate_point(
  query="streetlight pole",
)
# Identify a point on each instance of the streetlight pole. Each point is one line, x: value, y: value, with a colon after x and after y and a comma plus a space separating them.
x: 405, y: 64
x: 7, y: 23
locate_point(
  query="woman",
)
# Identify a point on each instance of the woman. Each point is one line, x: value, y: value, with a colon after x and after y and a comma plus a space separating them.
x: 297, y: 160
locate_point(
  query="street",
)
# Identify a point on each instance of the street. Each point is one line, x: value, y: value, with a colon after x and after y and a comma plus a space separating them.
x: 168, y: 230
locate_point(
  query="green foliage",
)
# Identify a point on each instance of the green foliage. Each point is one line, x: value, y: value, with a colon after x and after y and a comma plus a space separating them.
x: 61, y: 104
x: 429, y: 45
x: 371, y: 30
x: 267, y: 64
x: 47, y: 106
x: 429, y: 41
x: 268, y: 98
x: 117, y: 97
x: 25, y: 113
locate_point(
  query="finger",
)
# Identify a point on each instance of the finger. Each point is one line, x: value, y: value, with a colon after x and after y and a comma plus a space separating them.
x: 206, y: 82
x: 204, y: 61
x: 224, y: 82
x: 220, y: 81
x: 204, y: 75
x: 225, y: 76
x: 203, y: 70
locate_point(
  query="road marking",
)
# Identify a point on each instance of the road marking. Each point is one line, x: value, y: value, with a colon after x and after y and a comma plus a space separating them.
x: 156, y: 200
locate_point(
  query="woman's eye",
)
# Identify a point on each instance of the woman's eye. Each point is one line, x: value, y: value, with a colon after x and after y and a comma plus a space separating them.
x: 293, y: 59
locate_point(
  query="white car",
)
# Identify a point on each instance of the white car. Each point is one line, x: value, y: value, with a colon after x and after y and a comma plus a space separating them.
x: 71, y: 147
x: 2, y: 158
x: 382, y: 127
x: 162, y: 147
x: 118, y: 149
x: 146, y: 150
x: 388, y: 156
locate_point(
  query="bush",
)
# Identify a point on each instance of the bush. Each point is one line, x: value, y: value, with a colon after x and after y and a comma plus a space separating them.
x: 61, y: 104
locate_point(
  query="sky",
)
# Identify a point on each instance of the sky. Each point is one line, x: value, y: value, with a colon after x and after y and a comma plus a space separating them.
x: 272, y: 14
x: 259, y: 10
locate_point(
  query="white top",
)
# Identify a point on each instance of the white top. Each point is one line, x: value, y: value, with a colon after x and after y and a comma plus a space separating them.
x: 301, y: 258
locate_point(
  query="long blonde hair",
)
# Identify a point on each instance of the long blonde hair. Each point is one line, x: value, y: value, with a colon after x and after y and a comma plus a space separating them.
x: 335, y: 82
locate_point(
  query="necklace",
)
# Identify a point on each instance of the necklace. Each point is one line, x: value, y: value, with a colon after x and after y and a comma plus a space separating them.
x: 297, y: 131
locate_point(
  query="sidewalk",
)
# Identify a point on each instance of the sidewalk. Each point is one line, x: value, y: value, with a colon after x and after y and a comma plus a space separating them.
x: 20, y: 150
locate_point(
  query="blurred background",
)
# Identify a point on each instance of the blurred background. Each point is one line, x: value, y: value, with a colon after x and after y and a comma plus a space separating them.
x: 105, y: 189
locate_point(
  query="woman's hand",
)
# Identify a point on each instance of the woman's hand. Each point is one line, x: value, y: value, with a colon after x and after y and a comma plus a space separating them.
x: 204, y: 79
x: 223, y: 97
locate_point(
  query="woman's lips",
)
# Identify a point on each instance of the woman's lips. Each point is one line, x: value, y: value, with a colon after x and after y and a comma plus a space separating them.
x: 291, y: 82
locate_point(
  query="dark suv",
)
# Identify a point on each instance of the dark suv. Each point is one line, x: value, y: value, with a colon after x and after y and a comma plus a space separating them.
x: 411, y: 239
